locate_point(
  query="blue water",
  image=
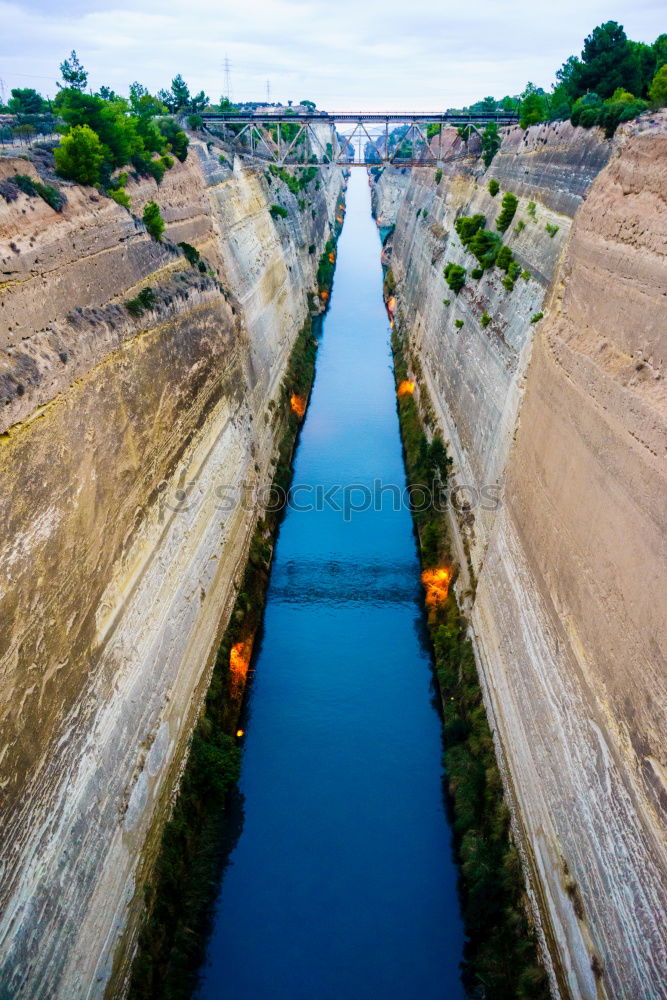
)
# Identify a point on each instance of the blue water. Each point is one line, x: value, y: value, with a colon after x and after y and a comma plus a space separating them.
x: 341, y: 883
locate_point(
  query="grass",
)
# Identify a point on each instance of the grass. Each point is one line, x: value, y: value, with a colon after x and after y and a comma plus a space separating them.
x: 500, y: 953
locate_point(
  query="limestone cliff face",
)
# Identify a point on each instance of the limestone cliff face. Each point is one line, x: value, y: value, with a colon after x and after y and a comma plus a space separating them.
x: 121, y: 438
x: 564, y: 580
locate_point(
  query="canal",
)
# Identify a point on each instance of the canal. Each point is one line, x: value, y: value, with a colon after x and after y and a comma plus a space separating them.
x: 342, y: 884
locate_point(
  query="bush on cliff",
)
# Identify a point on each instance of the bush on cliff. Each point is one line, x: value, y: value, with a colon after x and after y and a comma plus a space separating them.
x: 490, y: 143
x: 278, y: 212
x: 455, y: 276
x: 657, y: 92
x: 508, y: 211
x: 80, y: 155
x: 494, y: 187
x: 35, y: 189
x: 153, y: 220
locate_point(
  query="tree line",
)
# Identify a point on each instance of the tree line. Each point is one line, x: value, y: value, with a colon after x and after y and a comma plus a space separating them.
x: 613, y: 80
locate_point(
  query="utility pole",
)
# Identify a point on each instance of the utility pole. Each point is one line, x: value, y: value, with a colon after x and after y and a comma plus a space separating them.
x: 228, y: 78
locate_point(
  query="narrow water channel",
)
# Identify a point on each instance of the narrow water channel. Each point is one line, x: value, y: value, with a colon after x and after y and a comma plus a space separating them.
x: 342, y: 884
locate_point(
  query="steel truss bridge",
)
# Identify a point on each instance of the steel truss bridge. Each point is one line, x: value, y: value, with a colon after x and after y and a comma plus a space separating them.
x: 336, y: 137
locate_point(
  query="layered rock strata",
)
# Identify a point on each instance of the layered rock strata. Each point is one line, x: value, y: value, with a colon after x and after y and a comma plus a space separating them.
x: 124, y: 433
x: 563, y: 579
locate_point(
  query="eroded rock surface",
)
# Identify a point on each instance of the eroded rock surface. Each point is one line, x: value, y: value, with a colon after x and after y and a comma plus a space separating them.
x: 564, y: 581
x: 121, y: 436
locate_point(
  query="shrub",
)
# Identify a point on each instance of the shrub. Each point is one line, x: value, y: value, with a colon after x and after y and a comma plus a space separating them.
x: 458, y: 323
x: 509, y: 206
x: 195, y: 121
x: 477, y: 273
x: 80, y: 155
x: 508, y: 284
x: 657, y: 92
x: 490, y: 143
x: 531, y: 209
x: 121, y: 197
x: 494, y: 187
x: 438, y: 175
x: 144, y: 300
x: 536, y: 317
x: 468, y: 226
x: 190, y: 253
x: 485, y: 245
x: 520, y: 226
x: 425, y: 213
x: 455, y: 276
x: 52, y: 196
x: 278, y: 212
x: 167, y: 161
x: 485, y: 320
x: 525, y: 275
x: 153, y: 220
x: 551, y: 229
x: 446, y: 302
x: 224, y: 161
x: 144, y: 164
x: 514, y: 270
x: 175, y: 137
x: 504, y: 258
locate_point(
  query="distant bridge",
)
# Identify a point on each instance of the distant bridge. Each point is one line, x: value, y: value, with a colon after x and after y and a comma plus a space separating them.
x: 317, y: 137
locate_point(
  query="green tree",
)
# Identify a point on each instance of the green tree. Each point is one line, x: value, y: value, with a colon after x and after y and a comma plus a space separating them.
x: 660, y: 50
x: 657, y: 92
x: 153, y: 220
x: 116, y: 129
x: 143, y: 103
x: 26, y: 101
x: 80, y: 155
x: 107, y: 94
x: 175, y: 137
x: 609, y: 61
x: 490, y: 142
x: 180, y: 93
x: 73, y: 73
x: 533, y: 106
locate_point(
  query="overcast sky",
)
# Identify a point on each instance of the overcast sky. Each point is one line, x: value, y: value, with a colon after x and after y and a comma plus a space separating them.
x: 340, y: 53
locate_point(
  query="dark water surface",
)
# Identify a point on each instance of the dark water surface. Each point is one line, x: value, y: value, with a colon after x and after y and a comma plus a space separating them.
x: 342, y: 884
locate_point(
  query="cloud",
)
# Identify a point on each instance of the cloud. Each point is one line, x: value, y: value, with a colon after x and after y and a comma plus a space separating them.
x: 342, y: 55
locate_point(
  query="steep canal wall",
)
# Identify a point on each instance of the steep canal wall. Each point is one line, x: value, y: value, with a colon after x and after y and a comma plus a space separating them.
x: 123, y: 429
x: 563, y: 579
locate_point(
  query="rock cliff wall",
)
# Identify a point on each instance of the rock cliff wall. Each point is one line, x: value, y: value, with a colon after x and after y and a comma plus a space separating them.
x: 122, y: 434
x: 564, y: 579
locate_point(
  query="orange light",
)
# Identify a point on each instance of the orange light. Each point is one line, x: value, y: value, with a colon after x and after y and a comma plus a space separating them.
x: 332, y: 258
x: 298, y: 405
x: 391, y: 304
x: 436, y: 584
x: 324, y: 295
x: 239, y: 660
x: 406, y: 388
x: 339, y: 218
x: 239, y: 733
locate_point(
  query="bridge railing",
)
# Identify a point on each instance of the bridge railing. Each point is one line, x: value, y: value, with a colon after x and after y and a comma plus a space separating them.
x: 318, y: 137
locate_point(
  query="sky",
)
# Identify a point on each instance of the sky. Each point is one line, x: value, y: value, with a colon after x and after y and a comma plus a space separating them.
x: 343, y: 54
